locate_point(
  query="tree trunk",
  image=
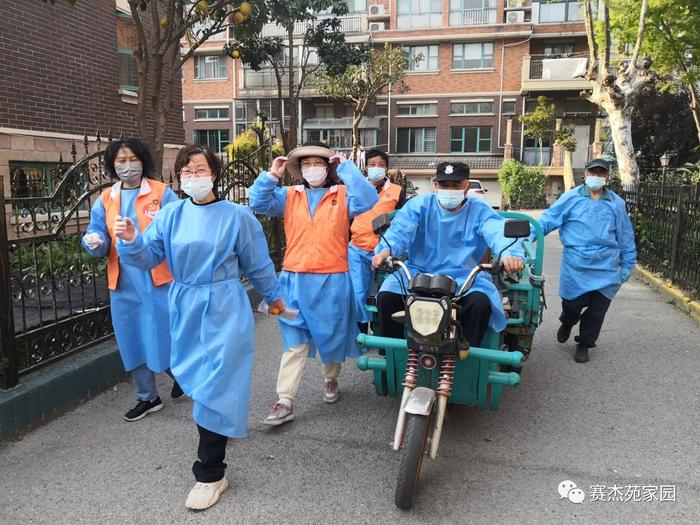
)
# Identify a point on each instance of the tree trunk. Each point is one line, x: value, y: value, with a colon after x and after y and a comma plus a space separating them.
x: 695, y: 107
x: 541, y: 151
x: 291, y: 136
x: 621, y: 131
x: 356, y: 119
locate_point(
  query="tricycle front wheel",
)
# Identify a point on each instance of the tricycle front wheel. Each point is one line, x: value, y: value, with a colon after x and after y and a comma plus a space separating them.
x: 411, y: 460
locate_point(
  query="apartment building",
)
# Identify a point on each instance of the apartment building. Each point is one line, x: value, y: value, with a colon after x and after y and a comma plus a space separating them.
x: 484, y: 63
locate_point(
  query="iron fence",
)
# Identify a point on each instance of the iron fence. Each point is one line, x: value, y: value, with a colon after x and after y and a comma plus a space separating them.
x: 54, y: 299
x: 666, y: 219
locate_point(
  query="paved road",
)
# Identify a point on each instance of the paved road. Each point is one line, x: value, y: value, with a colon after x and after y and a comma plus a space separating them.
x: 628, y: 418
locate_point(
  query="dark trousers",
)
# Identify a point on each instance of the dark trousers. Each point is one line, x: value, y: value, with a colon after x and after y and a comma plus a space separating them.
x: 596, y: 306
x: 211, y: 453
x: 474, y: 318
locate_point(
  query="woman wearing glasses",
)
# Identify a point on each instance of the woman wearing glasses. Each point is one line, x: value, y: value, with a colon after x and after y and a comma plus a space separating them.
x: 138, y: 298
x: 208, y: 243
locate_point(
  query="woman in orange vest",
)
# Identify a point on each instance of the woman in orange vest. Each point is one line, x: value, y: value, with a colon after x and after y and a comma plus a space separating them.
x: 315, y: 279
x: 362, y: 238
x: 138, y: 298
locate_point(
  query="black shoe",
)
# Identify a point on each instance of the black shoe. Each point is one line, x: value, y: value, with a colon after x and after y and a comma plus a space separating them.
x: 563, y: 333
x: 176, y: 392
x: 581, y: 355
x: 143, y: 408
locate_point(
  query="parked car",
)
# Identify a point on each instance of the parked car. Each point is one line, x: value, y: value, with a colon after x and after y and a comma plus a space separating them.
x: 476, y: 189
x: 411, y: 190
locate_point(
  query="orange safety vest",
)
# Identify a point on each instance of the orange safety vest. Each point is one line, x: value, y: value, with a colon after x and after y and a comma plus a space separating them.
x: 318, y: 244
x: 147, y: 204
x: 361, y: 229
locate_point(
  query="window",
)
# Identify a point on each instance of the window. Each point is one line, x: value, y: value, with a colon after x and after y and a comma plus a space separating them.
x: 382, y: 110
x: 208, y: 67
x: 335, y: 138
x: 418, y: 13
x: 128, y: 78
x: 216, y: 139
x: 561, y: 11
x: 34, y: 179
x: 509, y: 107
x: 429, y: 58
x: 198, y: 28
x: 470, y: 12
x: 562, y: 49
x: 471, y: 108
x: 324, y: 111
x: 415, y: 140
x: 470, y: 140
x: 531, y: 104
x: 348, y: 111
x: 211, y: 114
x: 241, y: 110
x: 578, y: 105
x: 357, y: 6
x: 472, y: 56
x: 368, y: 137
x: 417, y: 110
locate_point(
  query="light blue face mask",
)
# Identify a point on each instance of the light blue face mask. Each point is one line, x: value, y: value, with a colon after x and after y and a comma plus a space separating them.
x: 595, y: 183
x: 376, y: 174
x: 450, y: 199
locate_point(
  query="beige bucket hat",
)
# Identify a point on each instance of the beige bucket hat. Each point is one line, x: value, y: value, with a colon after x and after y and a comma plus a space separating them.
x: 309, y: 149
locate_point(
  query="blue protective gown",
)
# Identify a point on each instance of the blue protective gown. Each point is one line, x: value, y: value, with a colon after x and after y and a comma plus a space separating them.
x: 326, y: 319
x: 362, y: 276
x: 139, y: 309
x: 208, y: 247
x: 448, y: 243
x: 598, y: 241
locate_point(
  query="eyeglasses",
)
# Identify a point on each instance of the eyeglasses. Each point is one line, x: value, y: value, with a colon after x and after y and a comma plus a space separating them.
x: 198, y: 173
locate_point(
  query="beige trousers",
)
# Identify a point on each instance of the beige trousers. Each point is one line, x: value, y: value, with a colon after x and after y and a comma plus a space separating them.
x: 292, y: 368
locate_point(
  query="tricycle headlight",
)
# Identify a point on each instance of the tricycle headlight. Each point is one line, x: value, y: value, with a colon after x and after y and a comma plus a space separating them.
x: 426, y: 316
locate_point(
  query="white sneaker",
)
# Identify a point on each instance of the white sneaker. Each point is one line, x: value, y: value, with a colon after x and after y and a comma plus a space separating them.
x: 204, y: 495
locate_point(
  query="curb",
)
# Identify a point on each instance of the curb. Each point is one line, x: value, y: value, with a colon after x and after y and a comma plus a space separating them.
x: 48, y: 393
x: 672, y: 294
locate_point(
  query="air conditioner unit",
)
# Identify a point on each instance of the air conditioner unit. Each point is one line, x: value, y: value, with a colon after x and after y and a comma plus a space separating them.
x: 376, y: 10
x: 377, y: 26
x: 515, y: 17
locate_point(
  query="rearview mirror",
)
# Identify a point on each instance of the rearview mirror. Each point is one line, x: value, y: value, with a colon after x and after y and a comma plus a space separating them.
x: 516, y: 229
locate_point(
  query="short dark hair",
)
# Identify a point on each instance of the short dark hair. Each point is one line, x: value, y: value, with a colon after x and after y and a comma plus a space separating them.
x: 371, y: 153
x: 140, y: 149
x: 213, y: 160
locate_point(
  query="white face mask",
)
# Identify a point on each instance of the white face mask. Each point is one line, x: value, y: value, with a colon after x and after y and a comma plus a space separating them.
x: 197, y: 187
x: 594, y: 182
x: 376, y: 174
x: 315, y: 176
x: 129, y: 172
x: 450, y: 199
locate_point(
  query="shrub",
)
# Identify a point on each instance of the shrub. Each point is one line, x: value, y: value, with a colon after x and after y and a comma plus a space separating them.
x: 522, y: 186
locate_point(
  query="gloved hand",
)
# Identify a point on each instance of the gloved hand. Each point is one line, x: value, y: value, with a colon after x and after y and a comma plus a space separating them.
x: 93, y: 240
x: 626, y: 272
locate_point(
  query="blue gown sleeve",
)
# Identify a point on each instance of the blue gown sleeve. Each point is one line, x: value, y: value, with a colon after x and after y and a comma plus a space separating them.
x: 553, y: 217
x: 254, y: 257
x: 265, y: 197
x: 625, y: 237
x: 491, y: 229
x: 402, y: 231
x: 147, y: 250
x: 362, y: 196
x: 98, y: 225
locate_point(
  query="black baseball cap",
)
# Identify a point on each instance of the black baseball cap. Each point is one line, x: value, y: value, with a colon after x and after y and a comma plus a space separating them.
x: 451, y: 172
x: 598, y: 163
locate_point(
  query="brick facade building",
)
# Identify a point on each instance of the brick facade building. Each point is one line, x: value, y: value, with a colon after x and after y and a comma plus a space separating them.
x: 67, y: 71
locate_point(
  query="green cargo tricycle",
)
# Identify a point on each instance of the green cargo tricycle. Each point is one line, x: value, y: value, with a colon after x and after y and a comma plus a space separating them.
x: 434, y: 366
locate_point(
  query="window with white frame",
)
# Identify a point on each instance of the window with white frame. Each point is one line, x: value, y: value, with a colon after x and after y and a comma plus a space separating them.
x: 382, y: 109
x: 470, y: 139
x: 478, y: 55
x: 429, y: 109
x: 211, y: 113
x: 415, y: 140
x: 508, y: 107
x: 357, y: 6
x: 413, y: 14
x: 215, y: 139
x: 468, y: 107
x: 568, y: 11
x: 209, y: 67
x: 472, y: 12
x: 324, y: 111
x: 429, y: 58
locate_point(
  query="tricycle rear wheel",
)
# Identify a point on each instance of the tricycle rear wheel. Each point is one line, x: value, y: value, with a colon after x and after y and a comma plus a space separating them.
x: 411, y: 460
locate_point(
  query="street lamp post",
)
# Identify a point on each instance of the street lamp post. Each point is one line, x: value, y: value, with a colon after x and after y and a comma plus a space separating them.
x: 664, y: 159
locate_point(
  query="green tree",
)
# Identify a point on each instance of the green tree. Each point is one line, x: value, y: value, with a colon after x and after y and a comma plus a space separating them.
x: 618, y: 93
x: 539, y: 124
x: 161, y: 28
x: 360, y: 84
x: 295, y: 58
x: 522, y: 186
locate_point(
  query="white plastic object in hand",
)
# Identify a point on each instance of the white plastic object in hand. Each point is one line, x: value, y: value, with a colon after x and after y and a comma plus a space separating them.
x: 289, y: 313
x: 93, y: 240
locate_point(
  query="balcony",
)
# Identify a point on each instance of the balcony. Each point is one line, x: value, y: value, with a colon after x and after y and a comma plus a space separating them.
x: 470, y: 17
x: 540, y: 73
x: 348, y: 25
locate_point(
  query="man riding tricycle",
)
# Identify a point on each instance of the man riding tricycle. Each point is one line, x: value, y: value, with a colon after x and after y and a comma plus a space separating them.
x: 452, y: 328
